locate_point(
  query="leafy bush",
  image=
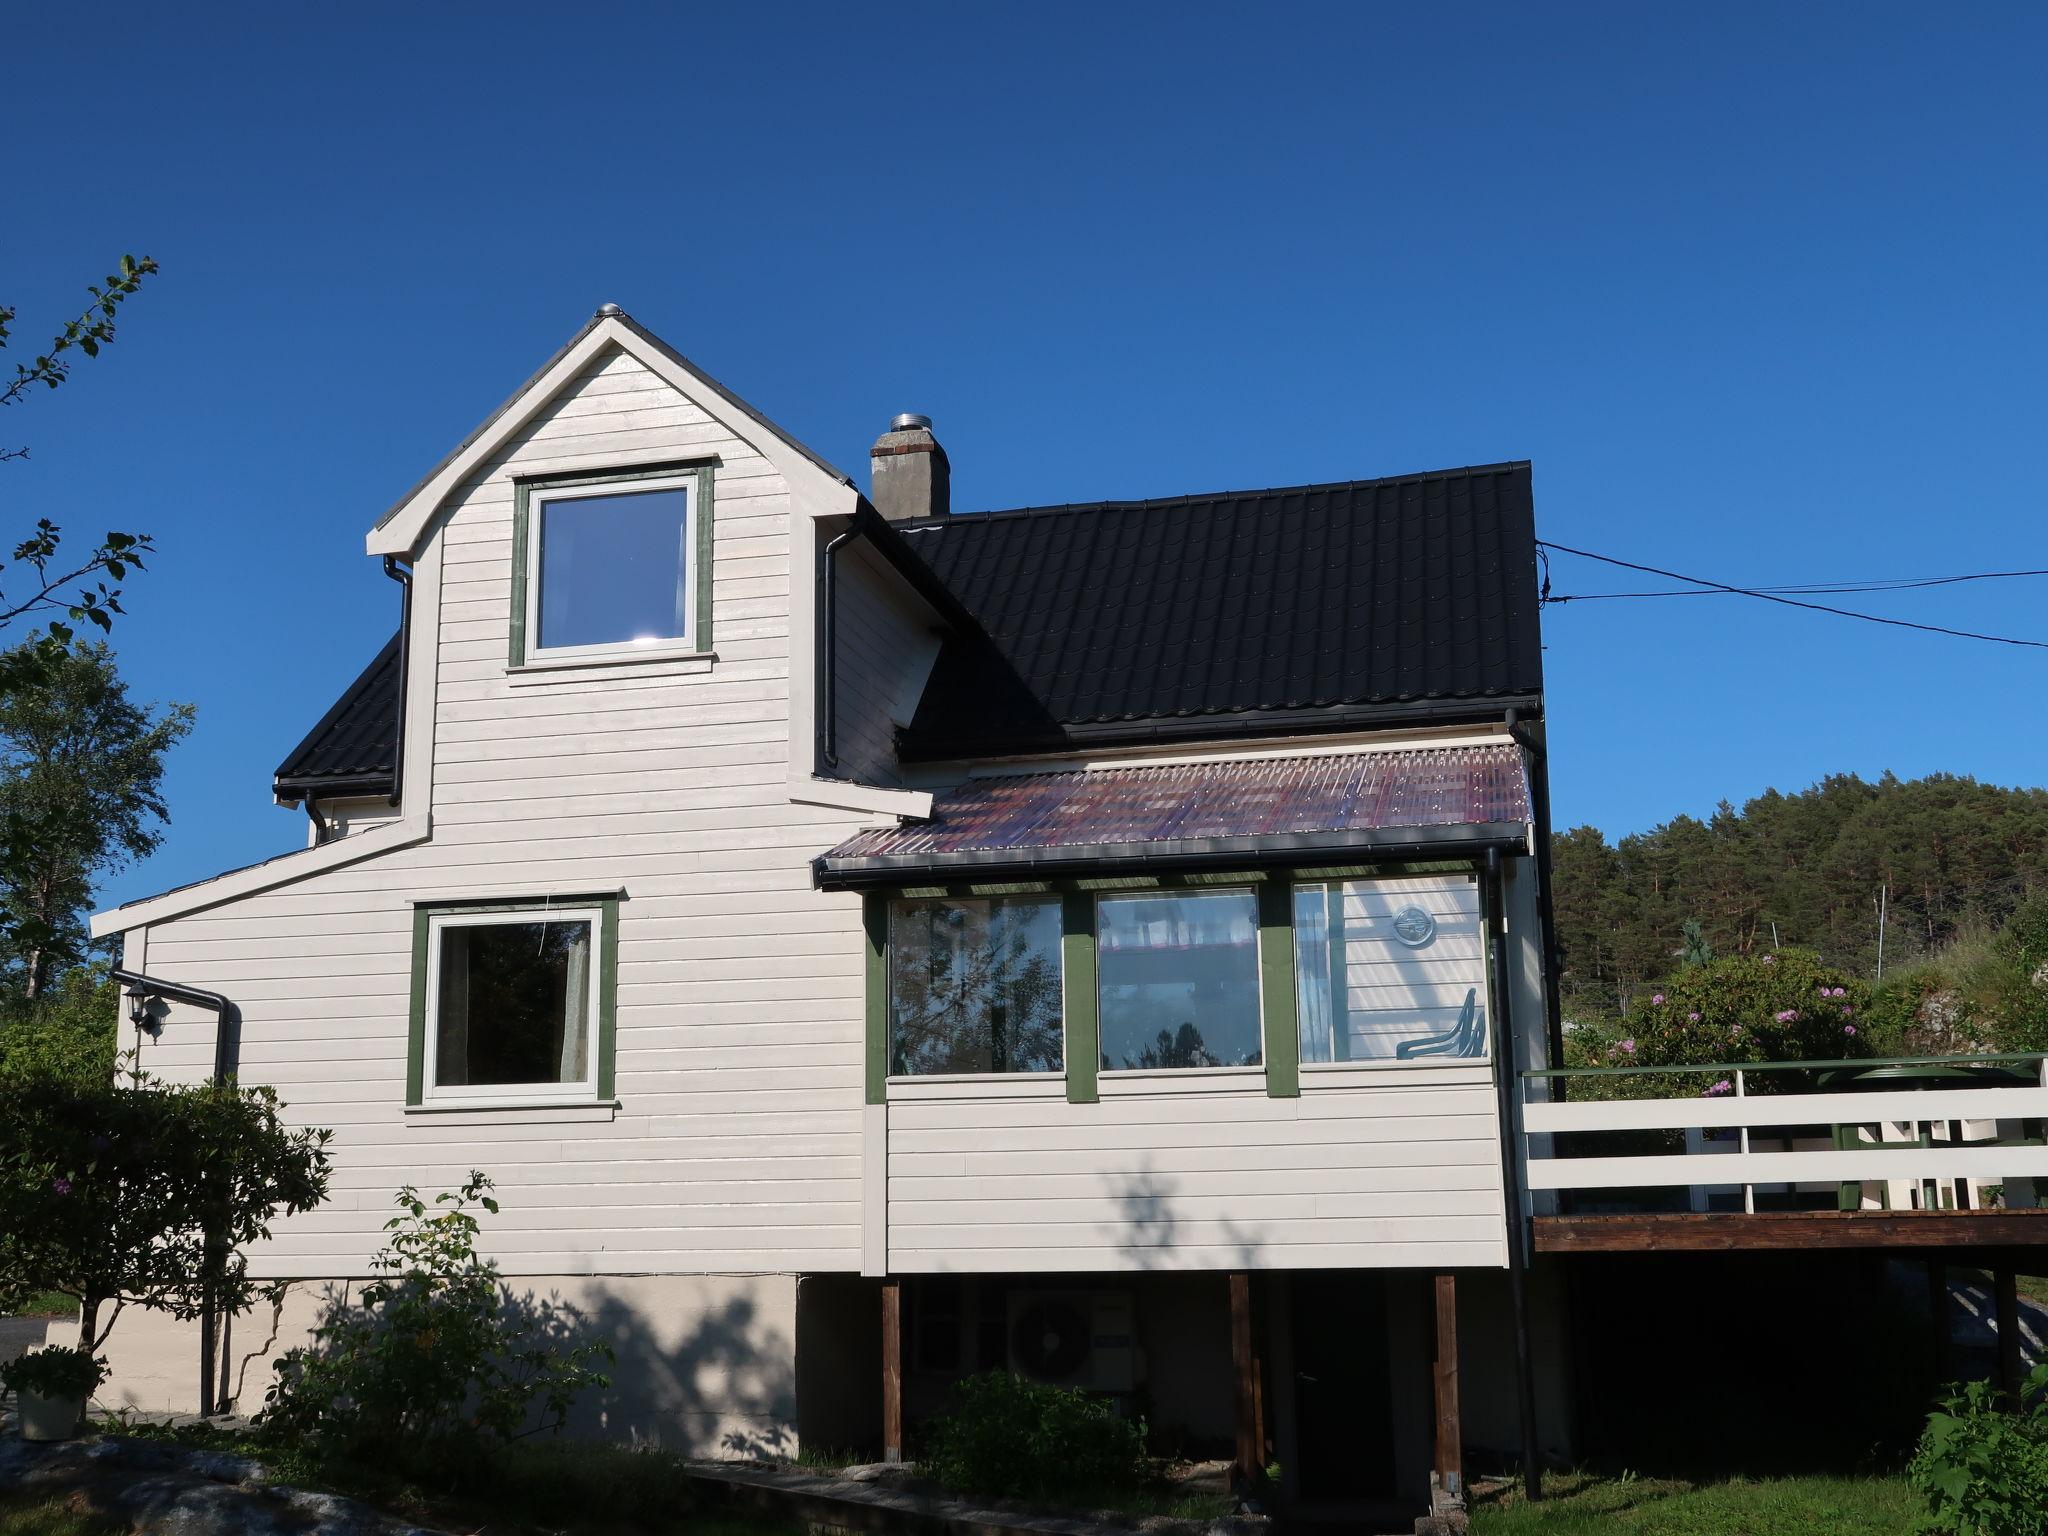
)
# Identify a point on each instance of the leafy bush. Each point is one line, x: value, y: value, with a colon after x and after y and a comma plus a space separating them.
x: 69, y: 1031
x: 1983, y: 1467
x: 1014, y: 1438
x: 1785, y: 1006
x: 2012, y: 986
x: 55, y: 1371
x: 136, y: 1193
x: 439, y: 1360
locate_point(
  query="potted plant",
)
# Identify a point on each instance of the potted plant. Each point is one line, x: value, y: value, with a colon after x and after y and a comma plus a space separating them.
x: 51, y: 1386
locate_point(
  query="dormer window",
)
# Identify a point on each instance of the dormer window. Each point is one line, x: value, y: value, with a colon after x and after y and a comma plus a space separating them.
x: 612, y: 567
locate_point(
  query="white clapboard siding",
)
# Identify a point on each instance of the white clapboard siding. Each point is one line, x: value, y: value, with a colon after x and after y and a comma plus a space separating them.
x: 739, y: 1026
x: 1353, y: 1172
x: 885, y: 653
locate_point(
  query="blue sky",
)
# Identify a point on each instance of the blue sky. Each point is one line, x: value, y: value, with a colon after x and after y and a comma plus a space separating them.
x: 1758, y: 288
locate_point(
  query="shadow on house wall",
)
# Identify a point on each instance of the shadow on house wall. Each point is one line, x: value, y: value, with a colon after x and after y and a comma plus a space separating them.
x: 705, y: 1365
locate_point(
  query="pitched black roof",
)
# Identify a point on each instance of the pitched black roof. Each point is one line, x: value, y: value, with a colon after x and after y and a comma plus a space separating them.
x: 354, y: 748
x: 1313, y: 607
x: 1317, y: 607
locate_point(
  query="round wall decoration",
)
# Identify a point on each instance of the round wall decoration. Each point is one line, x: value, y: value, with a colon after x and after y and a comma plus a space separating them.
x: 1414, y: 927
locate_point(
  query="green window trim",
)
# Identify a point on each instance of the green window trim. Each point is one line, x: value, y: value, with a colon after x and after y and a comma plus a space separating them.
x: 1082, y: 1022
x: 605, y: 1042
x: 522, y: 524
x: 1276, y: 989
x: 1278, y: 1003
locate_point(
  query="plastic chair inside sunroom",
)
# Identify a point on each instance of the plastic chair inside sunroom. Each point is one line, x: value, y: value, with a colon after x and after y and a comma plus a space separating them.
x: 1461, y: 1039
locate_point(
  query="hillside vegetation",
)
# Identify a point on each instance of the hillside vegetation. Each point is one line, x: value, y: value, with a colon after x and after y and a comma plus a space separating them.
x: 1960, y: 867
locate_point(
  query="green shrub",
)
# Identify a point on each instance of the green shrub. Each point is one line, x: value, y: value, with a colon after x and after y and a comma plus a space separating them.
x: 1982, y: 1466
x: 132, y: 1192
x: 55, y: 1371
x: 1788, y: 1005
x: 439, y: 1362
x: 1013, y: 1438
x: 2011, y: 987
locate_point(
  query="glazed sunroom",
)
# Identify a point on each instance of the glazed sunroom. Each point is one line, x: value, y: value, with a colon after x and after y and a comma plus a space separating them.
x: 1255, y: 917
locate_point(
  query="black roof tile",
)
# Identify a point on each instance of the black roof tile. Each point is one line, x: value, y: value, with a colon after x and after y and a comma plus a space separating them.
x: 1327, y: 605
x: 354, y: 748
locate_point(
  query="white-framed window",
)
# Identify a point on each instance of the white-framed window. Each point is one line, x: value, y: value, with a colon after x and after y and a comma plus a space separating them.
x: 1390, y: 970
x: 611, y: 568
x: 512, y: 1005
x: 1177, y: 976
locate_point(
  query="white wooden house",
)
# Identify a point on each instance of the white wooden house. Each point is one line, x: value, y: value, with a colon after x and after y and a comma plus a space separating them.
x: 1079, y: 939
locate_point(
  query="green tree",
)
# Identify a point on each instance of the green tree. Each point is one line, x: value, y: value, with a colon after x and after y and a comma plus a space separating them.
x: 82, y: 764
x: 68, y: 1032
x: 1803, y: 869
x: 128, y: 1192
x: 2011, y: 991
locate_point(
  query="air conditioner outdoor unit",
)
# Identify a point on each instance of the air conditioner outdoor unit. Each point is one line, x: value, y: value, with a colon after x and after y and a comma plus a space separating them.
x: 1074, y: 1339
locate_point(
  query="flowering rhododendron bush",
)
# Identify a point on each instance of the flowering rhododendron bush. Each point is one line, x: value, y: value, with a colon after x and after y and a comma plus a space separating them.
x: 134, y: 1192
x: 1788, y: 1005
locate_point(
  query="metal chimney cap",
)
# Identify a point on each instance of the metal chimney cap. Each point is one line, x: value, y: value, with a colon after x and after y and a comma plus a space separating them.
x: 910, y: 421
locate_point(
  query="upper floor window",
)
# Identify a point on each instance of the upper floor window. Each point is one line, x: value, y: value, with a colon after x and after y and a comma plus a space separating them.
x: 1389, y: 970
x: 612, y: 567
x: 1178, y: 973
x: 974, y: 986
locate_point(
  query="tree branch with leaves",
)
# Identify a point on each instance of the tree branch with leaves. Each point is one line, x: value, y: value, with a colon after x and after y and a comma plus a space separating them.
x: 61, y: 590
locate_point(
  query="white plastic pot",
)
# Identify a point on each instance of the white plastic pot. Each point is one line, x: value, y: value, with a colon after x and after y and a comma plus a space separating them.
x: 49, y: 1418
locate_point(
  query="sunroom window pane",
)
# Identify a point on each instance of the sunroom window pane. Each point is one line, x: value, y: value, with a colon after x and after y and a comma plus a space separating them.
x: 974, y: 986
x: 512, y: 1004
x: 614, y: 569
x: 1390, y: 970
x: 1179, y: 979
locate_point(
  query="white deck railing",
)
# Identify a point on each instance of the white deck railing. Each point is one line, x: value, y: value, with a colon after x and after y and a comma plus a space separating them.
x: 1874, y: 1148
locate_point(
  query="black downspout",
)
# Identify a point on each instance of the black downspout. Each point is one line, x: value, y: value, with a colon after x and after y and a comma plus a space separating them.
x: 313, y: 815
x: 402, y: 574
x: 1553, y: 958
x: 828, y: 654
x: 211, y: 1326
x: 1507, y: 1075
x: 223, y: 1010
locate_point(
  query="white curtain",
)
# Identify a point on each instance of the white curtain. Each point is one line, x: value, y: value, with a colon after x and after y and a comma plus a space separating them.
x: 451, y: 1028
x: 1312, y: 974
x: 576, y: 1010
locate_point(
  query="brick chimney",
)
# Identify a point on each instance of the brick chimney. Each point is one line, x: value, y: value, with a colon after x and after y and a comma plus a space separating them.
x: 910, y: 477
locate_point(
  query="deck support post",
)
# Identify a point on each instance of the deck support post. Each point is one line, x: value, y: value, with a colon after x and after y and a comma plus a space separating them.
x: 1251, y: 1461
x: 892, y: 1370
x: 1937, y: 1307
x: 2010, y: 1373
x: 1447, y: 1478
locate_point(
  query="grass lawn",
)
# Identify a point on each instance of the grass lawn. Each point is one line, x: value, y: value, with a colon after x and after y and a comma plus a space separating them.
x: 47, y: 1304
x: 1794, y: 1506
x: 21, y: 1516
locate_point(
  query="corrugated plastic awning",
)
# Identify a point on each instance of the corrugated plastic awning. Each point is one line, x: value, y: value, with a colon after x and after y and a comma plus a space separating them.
x: 1421, y: 801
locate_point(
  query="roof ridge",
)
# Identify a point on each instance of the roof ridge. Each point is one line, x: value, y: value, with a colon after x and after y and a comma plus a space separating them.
x: 1208, y: 498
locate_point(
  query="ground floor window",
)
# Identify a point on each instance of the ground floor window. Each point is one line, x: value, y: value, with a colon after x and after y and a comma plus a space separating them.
x: 974, y: 986
x: 512, y: 1003
x: 1178, y: 979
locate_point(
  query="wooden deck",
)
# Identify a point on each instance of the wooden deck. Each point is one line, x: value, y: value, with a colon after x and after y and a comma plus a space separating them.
x: 1688, y: 1232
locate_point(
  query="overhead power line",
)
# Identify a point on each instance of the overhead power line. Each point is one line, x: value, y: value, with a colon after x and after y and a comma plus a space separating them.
x: 1770, y: 595
x: 1901, y: 584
